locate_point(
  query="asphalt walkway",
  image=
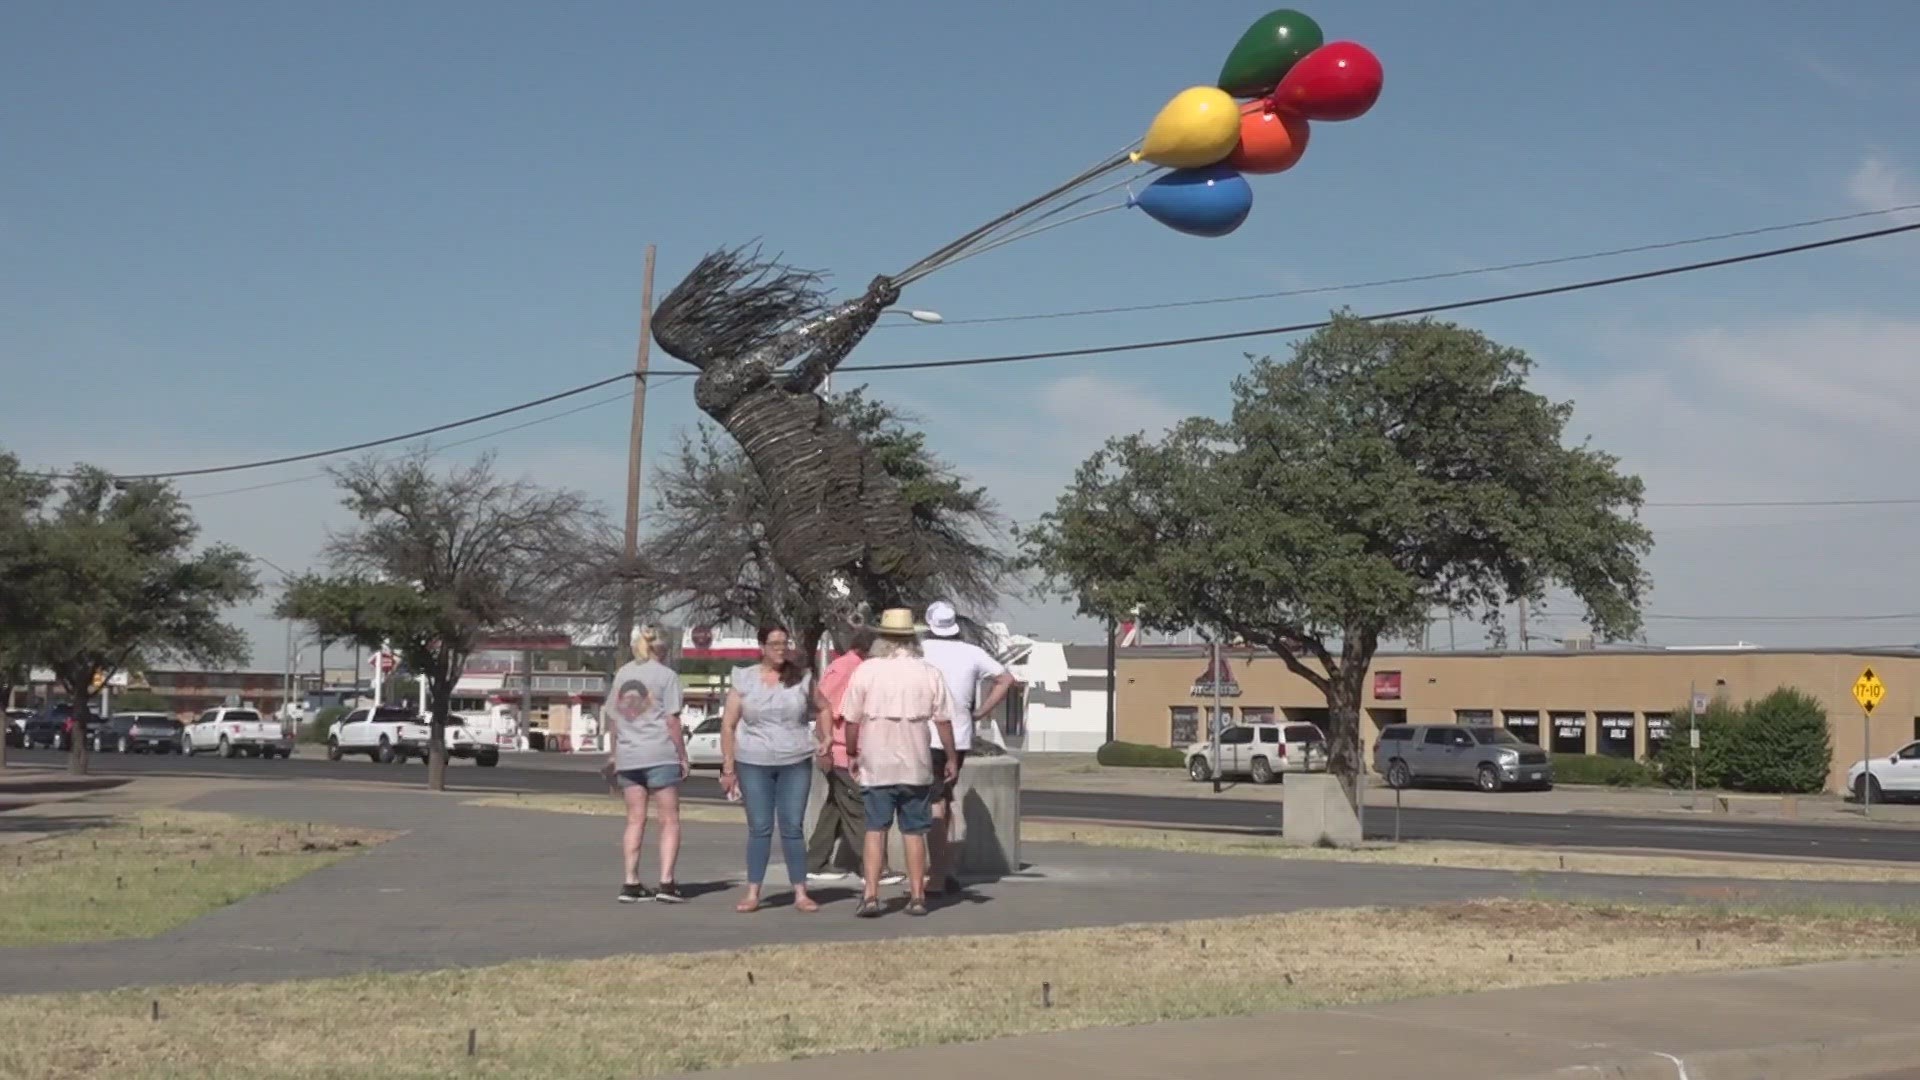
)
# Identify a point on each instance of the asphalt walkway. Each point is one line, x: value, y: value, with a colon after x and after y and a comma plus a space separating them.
x: 473, y: 885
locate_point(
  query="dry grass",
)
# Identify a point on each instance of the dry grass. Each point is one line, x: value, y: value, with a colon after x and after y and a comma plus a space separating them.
x: 152, y: 870
x: 1458, y: 856
x: 659, y: 1014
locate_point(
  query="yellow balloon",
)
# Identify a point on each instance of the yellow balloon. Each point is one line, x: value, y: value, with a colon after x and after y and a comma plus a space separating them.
x: 1198, y: 127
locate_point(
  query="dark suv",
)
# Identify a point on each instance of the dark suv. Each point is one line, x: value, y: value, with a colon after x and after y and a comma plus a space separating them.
x: 50, y: 728
x: 135, y: 733
x: 1489, y: 758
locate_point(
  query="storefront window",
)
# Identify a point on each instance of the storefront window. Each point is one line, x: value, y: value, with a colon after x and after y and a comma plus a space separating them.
x: 1616, y: 735
x: 1473, y: 717
x: 1256, y: 714
x: 1569, y: 733
x: 1524, y: 723
x: 1221, y: 720
x: 1186, y: 725
x: 1659, y: 730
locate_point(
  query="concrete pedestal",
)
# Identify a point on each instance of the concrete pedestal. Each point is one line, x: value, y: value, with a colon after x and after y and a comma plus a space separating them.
x: 986, y: 827
x: 1316, y: 812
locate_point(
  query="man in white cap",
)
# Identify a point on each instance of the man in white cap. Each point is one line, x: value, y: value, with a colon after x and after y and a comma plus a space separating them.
x: 965, y: 667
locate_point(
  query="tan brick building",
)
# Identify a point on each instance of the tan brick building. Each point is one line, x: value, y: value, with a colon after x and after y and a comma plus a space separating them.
x: 1603, y: 701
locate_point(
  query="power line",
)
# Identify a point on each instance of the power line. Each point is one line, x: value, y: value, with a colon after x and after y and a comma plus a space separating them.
x: 1404, y: 313
x: 1096, y: 350
x: 1414, y: 279
x: 1905, y: 616
x: 370, y: 444
x: 310, y: 477
x: 1754, y: 504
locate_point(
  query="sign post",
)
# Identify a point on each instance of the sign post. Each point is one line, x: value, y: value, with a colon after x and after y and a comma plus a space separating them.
x: 1868, y: 690
x: 1214, y: 721
x: 1698, y: 703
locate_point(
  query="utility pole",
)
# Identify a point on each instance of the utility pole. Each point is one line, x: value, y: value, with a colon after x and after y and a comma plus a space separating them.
x: 1113, y: 638
x: 1523, y: 624
x: 631, y: 549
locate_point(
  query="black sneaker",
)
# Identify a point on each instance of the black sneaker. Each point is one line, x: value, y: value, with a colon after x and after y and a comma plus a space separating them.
x: 669, y: 893
x: 635, y: 894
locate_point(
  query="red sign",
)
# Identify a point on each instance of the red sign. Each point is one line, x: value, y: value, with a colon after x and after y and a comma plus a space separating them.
x: 703, y: 637
x: 388, y: 662
x: 1386, y: 685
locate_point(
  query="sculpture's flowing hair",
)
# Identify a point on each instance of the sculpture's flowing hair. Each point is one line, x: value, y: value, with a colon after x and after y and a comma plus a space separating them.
x: 733, y: 302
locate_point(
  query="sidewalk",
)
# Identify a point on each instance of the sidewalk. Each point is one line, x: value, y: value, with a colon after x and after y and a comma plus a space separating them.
x: 1079, y: 773
x: 1826, y: 1022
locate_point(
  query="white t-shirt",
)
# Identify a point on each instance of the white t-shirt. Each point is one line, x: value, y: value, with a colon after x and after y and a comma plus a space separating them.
x: 963, y: 666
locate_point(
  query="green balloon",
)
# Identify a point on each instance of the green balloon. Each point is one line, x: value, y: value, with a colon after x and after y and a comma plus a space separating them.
x: 1267, y: 51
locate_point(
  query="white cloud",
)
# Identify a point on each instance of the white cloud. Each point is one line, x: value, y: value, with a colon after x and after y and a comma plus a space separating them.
x: 1815, y: 409
x: 1876, y: 184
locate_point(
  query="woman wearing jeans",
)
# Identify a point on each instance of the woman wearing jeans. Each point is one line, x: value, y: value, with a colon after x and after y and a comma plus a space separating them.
x: 767, y: 745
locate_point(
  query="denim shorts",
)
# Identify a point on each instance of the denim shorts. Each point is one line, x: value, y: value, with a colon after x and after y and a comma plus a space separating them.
x: 912, y: 804
x: 653, y: 777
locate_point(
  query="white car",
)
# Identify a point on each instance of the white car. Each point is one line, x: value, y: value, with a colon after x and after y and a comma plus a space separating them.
x: 703, y: 744
x: 1261, y: 751
x: 1896, y: 776
x: 233, y: 732
x: 398, y: 733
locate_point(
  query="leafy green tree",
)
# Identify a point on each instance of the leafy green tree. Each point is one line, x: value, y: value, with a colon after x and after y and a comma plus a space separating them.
x: 1384, y: 471
x: 128, y: 701
x: 439, y: 562
x: 105, y: 573
x: 707, y: 556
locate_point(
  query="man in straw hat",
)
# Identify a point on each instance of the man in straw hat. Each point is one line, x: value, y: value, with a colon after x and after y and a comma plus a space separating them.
x: 890, y: 703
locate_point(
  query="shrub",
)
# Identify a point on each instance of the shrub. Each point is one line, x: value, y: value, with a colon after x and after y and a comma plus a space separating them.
x: 1600, y: 769
x: 1778, y: 745
x: 316, y: 730
x: 1784, y: 745
x: 1720, y: 728
x: 1137, y: 756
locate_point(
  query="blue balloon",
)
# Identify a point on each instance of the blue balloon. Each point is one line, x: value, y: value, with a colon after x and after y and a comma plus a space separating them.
x: 1210, y: 201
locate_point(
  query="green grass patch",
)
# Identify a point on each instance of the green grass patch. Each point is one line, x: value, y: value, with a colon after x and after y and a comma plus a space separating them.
x: 151, y: 871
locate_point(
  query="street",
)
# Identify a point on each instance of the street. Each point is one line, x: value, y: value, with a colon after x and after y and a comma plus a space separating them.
x: 569, y: 775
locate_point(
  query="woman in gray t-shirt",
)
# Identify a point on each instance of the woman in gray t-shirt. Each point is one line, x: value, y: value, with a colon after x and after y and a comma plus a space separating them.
x: 647, y: 761
x: 767, y: 745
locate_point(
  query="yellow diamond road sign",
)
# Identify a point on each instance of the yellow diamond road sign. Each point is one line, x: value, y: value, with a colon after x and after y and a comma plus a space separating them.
x: 1868, y: 690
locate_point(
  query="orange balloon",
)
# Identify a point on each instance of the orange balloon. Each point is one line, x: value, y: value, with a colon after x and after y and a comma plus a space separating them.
x: 1270, y: 142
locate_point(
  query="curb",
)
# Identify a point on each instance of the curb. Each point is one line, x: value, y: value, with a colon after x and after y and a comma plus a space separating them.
x: 1819, y: 1059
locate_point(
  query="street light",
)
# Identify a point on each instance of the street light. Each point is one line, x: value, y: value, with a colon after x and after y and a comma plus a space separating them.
x: 919, y: 315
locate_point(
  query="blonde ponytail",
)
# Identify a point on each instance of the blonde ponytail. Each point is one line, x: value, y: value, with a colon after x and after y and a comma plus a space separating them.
x: 646, y: 643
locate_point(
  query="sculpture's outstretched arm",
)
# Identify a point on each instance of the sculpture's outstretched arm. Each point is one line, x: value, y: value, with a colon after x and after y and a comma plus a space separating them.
x: 826, y: 341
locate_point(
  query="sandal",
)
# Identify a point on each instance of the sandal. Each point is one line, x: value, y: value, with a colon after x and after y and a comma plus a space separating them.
x: 869, y: 908
x: 917, y: 907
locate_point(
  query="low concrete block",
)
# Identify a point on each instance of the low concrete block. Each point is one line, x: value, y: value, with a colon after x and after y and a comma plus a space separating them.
x: 986, y: 826
x: 1317, y: 812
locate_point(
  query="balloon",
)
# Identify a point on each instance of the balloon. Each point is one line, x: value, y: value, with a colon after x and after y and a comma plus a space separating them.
x: 1339, y: 81
x: 1210, y: 201
x: 1269, y: 48
x: 1270, y: 142
x: 1198, y: 127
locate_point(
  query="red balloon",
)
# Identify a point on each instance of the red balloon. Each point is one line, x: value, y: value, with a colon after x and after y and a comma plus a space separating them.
x: 1337, y: 81
x: 1270, y: 142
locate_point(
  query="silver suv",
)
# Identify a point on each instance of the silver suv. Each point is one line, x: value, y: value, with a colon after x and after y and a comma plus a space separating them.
x: 1489, y: 758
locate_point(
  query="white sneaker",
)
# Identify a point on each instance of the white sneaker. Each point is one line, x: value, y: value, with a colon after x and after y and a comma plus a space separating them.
x: 892, y: 877
x: 828, y: 875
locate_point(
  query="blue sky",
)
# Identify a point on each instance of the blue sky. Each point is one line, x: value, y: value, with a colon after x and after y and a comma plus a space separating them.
x: 235, y: 230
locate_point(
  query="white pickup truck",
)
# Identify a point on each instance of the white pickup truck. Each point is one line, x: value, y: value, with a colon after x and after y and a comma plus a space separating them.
x: 397, y: 733
x: 233, y: 732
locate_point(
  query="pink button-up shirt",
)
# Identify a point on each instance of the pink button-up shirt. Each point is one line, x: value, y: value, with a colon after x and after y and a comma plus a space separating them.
x: 895, y: 701
x: 833, y: 687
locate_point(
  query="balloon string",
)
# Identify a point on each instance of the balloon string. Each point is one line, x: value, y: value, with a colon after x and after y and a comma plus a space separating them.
x: 1108, y: 165
x: 1033, y: 229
